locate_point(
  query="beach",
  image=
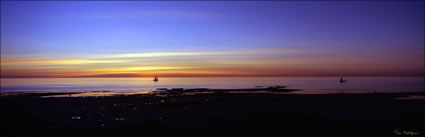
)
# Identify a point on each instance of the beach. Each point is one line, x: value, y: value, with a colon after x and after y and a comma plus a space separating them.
x: 386, y: 114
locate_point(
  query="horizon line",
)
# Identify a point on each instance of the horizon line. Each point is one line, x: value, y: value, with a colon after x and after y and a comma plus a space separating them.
x: 223, y: 76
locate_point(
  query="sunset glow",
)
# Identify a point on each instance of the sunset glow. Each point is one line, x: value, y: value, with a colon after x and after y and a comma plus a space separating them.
x: 143, y: 39
x: 70, y: 68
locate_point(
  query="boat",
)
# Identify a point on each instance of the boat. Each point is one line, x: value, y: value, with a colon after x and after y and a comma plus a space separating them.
x: 341, y: 80
x: 155, y: 79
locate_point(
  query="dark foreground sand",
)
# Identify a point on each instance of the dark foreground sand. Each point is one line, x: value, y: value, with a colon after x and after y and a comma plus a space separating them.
x: 340, y: 114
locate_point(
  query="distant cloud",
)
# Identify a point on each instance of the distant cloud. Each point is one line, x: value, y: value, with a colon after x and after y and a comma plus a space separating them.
x: 249, y: 62
x: 160, y: 14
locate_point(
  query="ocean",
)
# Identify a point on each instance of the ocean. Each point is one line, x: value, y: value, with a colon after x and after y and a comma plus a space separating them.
x: 138, y: 84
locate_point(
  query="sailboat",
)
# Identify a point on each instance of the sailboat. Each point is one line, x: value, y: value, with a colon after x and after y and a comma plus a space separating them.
x: 155, y: 79
x: 341, y: 80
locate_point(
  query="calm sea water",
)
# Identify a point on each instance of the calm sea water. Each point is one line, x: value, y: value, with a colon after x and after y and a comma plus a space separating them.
x: 130, y: 84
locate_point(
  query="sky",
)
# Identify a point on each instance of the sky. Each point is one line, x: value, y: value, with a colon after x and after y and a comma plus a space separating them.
x: 205, y: 38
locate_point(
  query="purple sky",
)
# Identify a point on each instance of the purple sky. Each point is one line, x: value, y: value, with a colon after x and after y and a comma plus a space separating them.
x: 175, y: 38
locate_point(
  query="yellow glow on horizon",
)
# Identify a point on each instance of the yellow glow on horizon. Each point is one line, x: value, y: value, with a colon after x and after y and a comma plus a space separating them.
x: 137, y: 69
x: 151, y: 68
x: 160, y: 54
x: 231, y: 63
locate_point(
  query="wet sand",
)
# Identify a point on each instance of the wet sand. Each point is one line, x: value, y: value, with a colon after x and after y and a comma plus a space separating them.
x: 384, y: 114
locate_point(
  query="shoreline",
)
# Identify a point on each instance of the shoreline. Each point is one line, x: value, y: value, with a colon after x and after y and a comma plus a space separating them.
x: 192, y: 91
x: 378, y: 114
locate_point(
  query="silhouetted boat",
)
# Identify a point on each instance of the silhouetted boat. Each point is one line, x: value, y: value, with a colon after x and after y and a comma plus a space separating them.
x: 155, y: 79
x: 341, y: 80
